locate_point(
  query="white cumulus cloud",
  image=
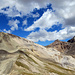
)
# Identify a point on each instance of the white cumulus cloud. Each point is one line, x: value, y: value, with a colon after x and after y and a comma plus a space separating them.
x: 25, y: 22
x: 7, y: 31
x: 11, y: 12
x: 13, y: 24
x: 47, y: 20
x: 23, y: 6
x: 64, y: 14
x: 43, y: 35
x: 63, y: 7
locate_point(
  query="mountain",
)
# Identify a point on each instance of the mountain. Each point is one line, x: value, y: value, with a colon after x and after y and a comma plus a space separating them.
x: 19, y: 56
x: 59, y: 45
x: 72, y: 40
x: 67, y: 48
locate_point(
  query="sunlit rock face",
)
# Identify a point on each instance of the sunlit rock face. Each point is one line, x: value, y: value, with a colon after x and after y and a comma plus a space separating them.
x: 19, y: 56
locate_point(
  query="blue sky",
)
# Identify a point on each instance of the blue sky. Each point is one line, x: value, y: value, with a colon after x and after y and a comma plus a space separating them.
x: 39, y: 21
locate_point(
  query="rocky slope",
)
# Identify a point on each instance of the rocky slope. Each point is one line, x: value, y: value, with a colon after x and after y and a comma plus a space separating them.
x: 59, y: 45
x: 19, y: 56
x: 67, y: 48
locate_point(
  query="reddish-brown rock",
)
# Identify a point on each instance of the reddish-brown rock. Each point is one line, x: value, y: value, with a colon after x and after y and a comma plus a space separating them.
x: 64, y: 47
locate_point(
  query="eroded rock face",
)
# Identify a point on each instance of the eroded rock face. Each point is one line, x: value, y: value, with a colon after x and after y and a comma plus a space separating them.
x: 60, y: 45
x: 19, y: 56
x: 64, y: 47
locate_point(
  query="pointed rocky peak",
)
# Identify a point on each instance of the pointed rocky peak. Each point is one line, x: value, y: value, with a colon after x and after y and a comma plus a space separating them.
x: 59, y: 45
x: 72, y: 40
x: 57, y: 40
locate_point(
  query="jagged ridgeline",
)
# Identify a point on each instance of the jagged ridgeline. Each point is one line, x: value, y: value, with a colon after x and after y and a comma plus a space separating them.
x: 67, y: 48
x: 19, y: 56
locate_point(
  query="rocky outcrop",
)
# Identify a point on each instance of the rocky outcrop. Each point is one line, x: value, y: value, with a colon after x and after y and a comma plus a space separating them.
x: 64, y: 47
x: 60, y: 46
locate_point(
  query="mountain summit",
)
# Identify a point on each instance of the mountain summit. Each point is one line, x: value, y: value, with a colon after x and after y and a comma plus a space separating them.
x: 19, y: 56
x: 64, y: 47
x: 72, y: 40
x: 59, y: 45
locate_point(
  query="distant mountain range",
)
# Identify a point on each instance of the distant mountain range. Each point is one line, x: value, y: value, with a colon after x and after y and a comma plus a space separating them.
x: 19, y: 56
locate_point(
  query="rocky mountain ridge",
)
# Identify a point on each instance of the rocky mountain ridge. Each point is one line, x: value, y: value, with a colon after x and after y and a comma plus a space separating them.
x: 64, y: 47
x: 72, y: 40
x: 19, y: 56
